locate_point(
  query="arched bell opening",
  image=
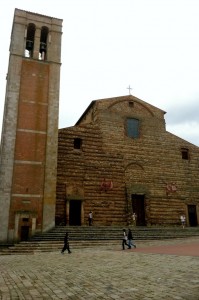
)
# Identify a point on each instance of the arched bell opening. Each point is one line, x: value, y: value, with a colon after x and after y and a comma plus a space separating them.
x: 30, y: 36
x: 43, y: 43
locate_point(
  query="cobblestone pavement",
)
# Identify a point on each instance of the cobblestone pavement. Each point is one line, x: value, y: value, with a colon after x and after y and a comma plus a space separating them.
x: 104, y: 273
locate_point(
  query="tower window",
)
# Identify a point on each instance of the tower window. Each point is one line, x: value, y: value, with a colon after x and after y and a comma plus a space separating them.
x: 132, y: 128
x: 30, y: 36
x: 185, y: 153
x: 77, y: 143
x: 43, y: 43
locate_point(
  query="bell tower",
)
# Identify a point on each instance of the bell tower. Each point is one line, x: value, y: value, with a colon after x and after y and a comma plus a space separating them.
x: 28, y: 157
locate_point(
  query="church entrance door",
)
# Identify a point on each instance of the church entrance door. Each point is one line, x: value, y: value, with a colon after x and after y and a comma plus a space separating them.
x: 192, y: 215
x: 24, y: 233
x: 75, y: 213
x: 138, y: 206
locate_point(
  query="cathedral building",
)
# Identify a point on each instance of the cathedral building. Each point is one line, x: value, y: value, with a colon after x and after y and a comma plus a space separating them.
x: 117, y: 160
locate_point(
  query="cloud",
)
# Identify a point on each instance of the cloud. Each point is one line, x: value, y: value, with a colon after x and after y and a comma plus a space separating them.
x: 182, y: 119
x: 185, y: 111
x: 187, y: 131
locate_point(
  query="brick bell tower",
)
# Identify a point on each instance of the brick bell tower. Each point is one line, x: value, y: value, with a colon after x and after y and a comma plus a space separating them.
x: 29, y: 139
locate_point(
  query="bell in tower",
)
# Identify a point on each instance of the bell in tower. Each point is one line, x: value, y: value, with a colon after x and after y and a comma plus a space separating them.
x: 29, y: 45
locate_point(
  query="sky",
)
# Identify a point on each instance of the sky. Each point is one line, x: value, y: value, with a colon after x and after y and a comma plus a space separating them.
x: 107, y: 45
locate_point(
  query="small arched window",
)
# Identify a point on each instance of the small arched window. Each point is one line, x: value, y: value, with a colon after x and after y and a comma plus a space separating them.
x: 30, y: 36
x: 43, y: 43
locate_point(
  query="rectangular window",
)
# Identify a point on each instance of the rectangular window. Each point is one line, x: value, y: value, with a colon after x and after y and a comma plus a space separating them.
x: 185, y: 153
x: 133, y: 128
x: 131, y: 104
x: 25, y: 219
x: 77, y: 143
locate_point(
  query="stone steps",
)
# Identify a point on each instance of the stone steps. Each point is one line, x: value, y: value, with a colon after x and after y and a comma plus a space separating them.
x: 114, y: 233
x: 84, y: 236
x: 53, y: 246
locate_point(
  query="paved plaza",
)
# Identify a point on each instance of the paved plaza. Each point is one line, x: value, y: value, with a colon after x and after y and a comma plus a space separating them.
x: 154, y: 270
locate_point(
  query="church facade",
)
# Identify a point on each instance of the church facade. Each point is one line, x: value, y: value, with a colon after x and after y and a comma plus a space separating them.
x: 119, y: 159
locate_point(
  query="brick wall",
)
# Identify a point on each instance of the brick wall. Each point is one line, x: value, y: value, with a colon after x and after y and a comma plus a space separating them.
x: 30, y: 147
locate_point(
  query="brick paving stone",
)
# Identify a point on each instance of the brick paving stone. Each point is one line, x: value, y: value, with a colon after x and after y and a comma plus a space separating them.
x: 103, y: 273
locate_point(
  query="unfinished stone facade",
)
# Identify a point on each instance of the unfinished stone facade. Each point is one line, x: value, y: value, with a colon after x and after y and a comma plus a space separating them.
x: 119, y: 159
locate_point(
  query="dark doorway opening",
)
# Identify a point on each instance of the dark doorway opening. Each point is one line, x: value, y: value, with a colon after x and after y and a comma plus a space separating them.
x: 75, y: 212
x: 192, y: 215
x: 24, y: 233
x: 138, y: 206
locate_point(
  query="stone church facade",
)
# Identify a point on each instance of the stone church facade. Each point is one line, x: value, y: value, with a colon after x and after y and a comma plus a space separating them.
x: 119, y: 159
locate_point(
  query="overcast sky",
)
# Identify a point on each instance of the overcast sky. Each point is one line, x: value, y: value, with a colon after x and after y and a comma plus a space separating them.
x: 107, y: 45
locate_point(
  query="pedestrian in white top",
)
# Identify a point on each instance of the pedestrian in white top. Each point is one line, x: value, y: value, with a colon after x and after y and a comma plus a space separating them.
x: 183, y: 220
x: 90, y: 218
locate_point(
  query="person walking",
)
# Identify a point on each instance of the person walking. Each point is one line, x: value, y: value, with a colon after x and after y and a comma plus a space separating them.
x: 134, y: 217
x: 130, y: 239
x: 66, y: 244
x: 183, y: 220
x: 90, y: 218
x: 124, y: 239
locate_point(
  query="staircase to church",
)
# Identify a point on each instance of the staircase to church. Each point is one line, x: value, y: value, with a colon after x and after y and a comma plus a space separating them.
x: 84, y: 236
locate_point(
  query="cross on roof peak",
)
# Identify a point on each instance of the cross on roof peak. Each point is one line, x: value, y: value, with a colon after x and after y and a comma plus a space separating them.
x: 129, y: 88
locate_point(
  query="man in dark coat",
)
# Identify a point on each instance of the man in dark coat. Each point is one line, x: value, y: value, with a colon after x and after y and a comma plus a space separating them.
x: 130, y: 239
x: 66, y: 244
